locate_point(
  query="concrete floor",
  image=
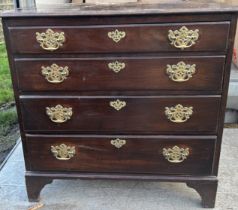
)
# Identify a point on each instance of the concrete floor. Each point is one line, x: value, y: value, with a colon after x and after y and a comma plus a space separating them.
x: 120, y: 195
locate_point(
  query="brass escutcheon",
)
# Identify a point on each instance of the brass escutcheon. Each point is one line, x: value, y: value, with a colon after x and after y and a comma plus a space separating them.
x: 118, y: 104
x: 116, y: 35
x: 118, y: 143
x: 116, y: 66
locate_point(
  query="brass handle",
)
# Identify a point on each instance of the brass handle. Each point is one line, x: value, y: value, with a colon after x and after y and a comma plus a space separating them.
x: 175, y: 154
x: 183, y: 38
x: 63, y: 152
x: 59, y: 114
x: 179, y: 113
x: 50, y: 40
x: 118, y: 104
x: 118, y: 143
x: 54, y: 73
x: 116, y: 66
x: 181, y: 72
x: 116, y: 35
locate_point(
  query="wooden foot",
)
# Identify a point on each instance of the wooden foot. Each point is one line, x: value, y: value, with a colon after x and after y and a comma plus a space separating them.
x: 34, y: 185
x: 207, y: 190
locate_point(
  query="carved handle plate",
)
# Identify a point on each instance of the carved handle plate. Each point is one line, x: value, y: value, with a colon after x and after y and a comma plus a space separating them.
x: 118, y: 104
x: 116, y: 35
x: 118, y: 143
x: 175, y: 154
x: 116, y: 66
x: 63, y: 152
x: 50, y: 40
x: 181, y: 72
x: 59, y: 114
x: 54, y: 73
x: 178, y: 113
x: 183, y: 38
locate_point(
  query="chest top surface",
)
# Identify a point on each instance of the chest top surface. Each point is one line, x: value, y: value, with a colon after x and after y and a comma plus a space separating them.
x: 141, y: 7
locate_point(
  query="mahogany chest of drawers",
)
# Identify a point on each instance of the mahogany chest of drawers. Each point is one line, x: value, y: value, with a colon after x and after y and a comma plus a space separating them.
x: 136, y: 92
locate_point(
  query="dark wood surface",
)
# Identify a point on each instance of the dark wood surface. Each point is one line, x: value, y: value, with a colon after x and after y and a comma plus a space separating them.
x: 140, y: 73
x: 225, y: 93
x: 37, y: 180
x: 140, y: 115
x: 114, y: 20
x: 139, y: 38
x: 207, y: 191
x: 143, y: 115
x: 141, y: 7
x: 138, y: 155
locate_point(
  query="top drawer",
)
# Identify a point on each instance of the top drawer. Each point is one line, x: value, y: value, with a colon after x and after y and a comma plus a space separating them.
x: 207, y: 36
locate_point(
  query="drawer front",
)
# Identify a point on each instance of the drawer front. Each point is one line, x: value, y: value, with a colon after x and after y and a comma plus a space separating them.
x: 129, y: 73
x: 163, y: 155
x: 125, y: 114
x: 207, y: 36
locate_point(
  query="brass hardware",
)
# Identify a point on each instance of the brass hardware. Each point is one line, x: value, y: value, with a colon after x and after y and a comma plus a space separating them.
x: 50, y: 40
x: 59, y: 114
x: 54, y: 73
x: 63, y: 152
x: 116, y: 35
x: 181, y: 72
x: 118, y: 104
x: 116, y: 66
x: 179, y: 113
x: 175, y: 154
x: 183, y: 38
x: 118, y: 143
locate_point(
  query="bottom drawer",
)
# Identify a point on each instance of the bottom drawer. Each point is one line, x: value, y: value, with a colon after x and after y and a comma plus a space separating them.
x: 126, y: 154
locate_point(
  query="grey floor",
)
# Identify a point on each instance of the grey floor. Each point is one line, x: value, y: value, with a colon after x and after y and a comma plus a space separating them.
x: 120, y: 195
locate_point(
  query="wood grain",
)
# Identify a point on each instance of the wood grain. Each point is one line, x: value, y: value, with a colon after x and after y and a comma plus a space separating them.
x: 141, y: 114
x: 138, y: 155
x: 139, y: 38
x: 140, y: 73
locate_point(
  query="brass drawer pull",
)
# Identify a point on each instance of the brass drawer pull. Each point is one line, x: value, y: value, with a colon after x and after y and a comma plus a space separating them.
x: 175, y: 154
x: 118, y: 104
x: 118, y: 143
x: 59, y: 114
x: 181, y: 72
x: 179, y: 113
x: 116, y: 66
x: 183, y: 38
x: 54, y: 73
x: 116, y: 35
x: 50, y: 40
x: 63, y: 152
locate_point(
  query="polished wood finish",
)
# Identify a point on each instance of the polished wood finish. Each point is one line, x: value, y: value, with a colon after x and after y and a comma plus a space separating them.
x: 138, y: 38
x: 142, y: 7
x: 143, y: 154
x: 143, y: 84
x: 39, y: 183
x: 95, y: 115
x: 207, y: 191
x: 140, y: 73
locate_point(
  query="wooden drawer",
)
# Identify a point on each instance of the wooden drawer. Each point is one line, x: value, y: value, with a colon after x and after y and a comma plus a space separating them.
x: 121, y: 73
x: 140, y: 154
x: 145, y: 114
x: 199, y: 36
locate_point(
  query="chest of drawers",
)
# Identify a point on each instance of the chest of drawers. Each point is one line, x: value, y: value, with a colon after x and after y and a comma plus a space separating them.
x: 134, y: 93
